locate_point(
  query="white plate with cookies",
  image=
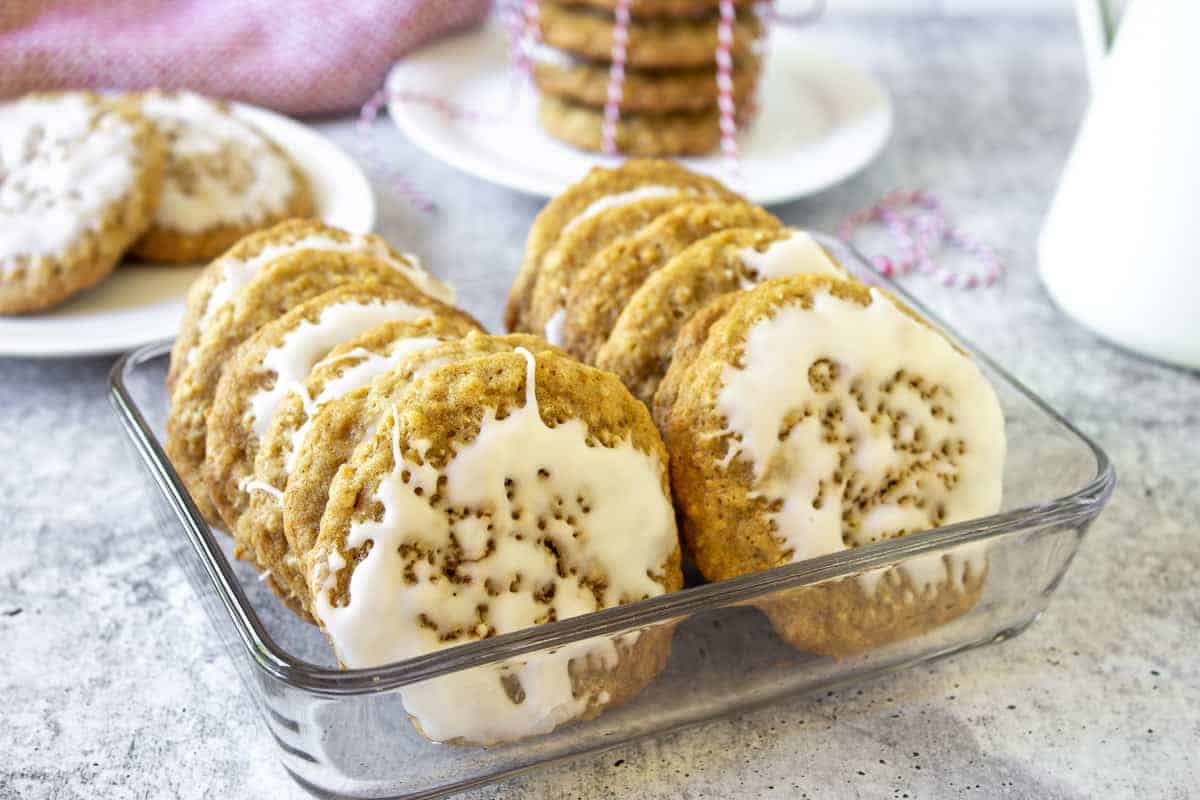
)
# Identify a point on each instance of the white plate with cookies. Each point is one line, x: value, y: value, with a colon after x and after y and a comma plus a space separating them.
x: 820, y: 119
x: 142, y: 301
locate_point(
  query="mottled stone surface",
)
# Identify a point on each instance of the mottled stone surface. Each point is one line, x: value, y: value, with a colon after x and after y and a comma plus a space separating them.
x: 114, y: 684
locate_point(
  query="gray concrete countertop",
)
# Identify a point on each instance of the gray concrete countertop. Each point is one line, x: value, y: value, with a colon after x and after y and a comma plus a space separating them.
x: 115, y: 686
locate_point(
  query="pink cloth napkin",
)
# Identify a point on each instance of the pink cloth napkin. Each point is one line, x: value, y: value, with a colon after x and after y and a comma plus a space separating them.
x: 296, y: 56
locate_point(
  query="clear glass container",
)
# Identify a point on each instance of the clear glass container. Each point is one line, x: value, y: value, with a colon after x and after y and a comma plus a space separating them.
x: 346, y: 733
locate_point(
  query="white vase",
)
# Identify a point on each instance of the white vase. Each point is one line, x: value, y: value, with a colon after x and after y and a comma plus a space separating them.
x: 1120, y: 248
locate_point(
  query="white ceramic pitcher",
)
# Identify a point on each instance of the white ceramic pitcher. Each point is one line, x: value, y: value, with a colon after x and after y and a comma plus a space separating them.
x: 1120, y: 248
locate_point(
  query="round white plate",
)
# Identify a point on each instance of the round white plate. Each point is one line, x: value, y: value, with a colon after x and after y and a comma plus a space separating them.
x: 141, y: 303
x: 821, y: 121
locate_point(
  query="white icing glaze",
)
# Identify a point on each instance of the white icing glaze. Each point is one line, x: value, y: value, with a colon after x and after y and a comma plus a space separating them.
x: 542, y: 53
x: 370, y: 366
x: 232, y: 176
x: 293, y: 359
x: 57, y: 175
x: 237, y: 273
x: 555, y: 327
x: 627, y: 531
x: 610, y: 201
x: 799, y: 253
x: 868, y: 345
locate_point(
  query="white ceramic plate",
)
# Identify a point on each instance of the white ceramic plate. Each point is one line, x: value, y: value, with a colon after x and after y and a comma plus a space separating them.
x: 141, y: 303
x: 821, y: 120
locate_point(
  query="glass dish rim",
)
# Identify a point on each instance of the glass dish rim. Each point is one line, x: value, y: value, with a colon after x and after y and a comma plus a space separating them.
x: 269, y: 657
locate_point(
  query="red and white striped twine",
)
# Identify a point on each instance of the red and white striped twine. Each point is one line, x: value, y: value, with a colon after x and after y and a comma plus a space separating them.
x: 726, y: 104
x: 616, y: 78
x: 918, y: 223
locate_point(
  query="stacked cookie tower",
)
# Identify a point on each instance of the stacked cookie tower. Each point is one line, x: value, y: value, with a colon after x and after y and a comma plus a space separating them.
x: 804, y: 412
x: 664, y: 99
x: 158, y: 176
x: 411, y: 483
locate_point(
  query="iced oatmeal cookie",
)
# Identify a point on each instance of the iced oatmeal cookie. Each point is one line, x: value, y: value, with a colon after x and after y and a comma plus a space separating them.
x: 820, y: 416
x: 80, y: 178
x: 499, y: 493
x: 224, y: 178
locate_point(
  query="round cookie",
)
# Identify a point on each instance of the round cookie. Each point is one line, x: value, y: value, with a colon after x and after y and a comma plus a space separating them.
x: 348, y: 366
x: 682, y: 133
x: 224, y: 178
x: 820, y: 416
x: 221, y: 279
x: 686, y: 350
x: 276, y: 362
x: 500, y: 492
x: 79, y: 181
x: 639, y: 348
x: 600, y: 189
x: 574, y: 251
x: 340, y: 425
x: 282, y: 284
x: 585, y: 83
x: 658, y: 8
x: 652, y: 43
x: 600, y: 292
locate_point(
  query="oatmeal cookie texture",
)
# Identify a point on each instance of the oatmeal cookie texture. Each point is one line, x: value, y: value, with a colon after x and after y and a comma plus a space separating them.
x: 653, y: 43
x: 222, y: 279
x: 224, y: 178
x: 600, y: 292
x: 538, y: 486
x: 601, y: 189
x: 640, y: 346
x: 283, y: 284
x: 80, y: 178
x: 818, y: 416
x: 340, y: 425
x: 349, y: 366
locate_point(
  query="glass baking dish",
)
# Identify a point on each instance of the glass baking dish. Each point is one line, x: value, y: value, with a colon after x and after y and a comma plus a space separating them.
x: 346, y: 733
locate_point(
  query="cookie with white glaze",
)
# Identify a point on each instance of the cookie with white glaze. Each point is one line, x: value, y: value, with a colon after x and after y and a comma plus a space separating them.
x: 277, y: 287
x: 576, y: 248
x: 223, y: 179
x: 501, y: 492
x: 274, y: 363
x: 639, y: 348
x: 237, y: 266
x: 340, y: 425
x: 601, y: 189
x: 80, y: 178
x: 348, y: 366
x: 820, y: 416
x: 600, y: 292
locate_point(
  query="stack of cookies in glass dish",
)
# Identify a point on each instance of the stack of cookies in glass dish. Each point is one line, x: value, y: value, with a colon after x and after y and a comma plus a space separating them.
x: 669, y: 88
x: 804, y: 412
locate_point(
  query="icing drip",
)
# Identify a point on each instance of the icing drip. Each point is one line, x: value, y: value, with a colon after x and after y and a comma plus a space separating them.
x: 237, y: 273
x: 799, y: 253
x: 555, y: 327
x: 621, y: 199
x: 293, y: 359
x: 544, y: 527
x: 870, y: 399
x: 58, y: 175
x: 369, y: 366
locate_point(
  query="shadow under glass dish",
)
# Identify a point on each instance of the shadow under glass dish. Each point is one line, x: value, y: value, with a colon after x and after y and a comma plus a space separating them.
x: 347, y: 734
